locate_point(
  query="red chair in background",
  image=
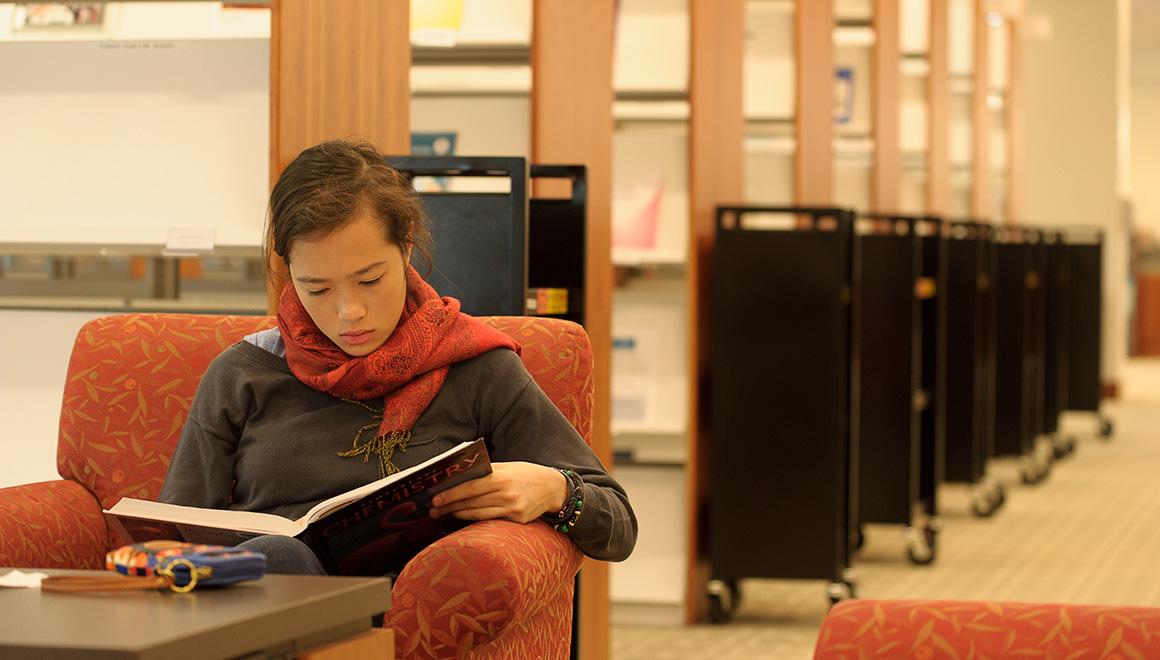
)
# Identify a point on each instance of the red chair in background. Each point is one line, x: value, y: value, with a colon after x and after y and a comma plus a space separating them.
x: 936, y: 629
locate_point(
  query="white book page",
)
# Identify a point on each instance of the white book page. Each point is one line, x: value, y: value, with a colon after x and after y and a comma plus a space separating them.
x: 326, y: 506
x: 247, y: 521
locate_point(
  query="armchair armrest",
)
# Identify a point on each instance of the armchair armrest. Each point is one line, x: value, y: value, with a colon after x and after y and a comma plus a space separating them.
x: 51, y: 524
x: 473, y: 586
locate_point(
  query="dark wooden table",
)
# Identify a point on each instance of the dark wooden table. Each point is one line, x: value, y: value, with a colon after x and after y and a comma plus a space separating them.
x: 277, y: 616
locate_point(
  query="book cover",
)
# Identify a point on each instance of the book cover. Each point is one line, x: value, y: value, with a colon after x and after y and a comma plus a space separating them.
x: 371, y: 530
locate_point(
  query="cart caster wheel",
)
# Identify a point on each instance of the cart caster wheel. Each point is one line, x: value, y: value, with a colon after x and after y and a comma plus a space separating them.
x: 982, y: 508
x: 998, y: 495
x: 1032, y: 473
x: 718, y: 611
x: 933, y: 527
x: 1029, y: 475
x: 848, y: 580
x: 1106, y: 428
x: 724, y: 596
x: 920, y: 545
x: 983, y: 504
x: 734, y: 592
x: 1063, y: 447
x: 839, y: 591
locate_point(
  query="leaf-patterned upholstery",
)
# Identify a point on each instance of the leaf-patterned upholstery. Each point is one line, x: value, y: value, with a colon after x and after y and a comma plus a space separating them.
x: 491, y: 590
x: 510, y: 585
x: 967, y: 630
x: 127, y: 392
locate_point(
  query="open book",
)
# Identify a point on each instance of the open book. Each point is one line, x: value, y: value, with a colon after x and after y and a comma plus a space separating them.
x: 371, y: 530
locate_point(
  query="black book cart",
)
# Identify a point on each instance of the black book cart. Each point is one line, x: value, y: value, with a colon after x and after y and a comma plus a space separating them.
x: 1056, y: 282
x: 783, y: 458
x: 1084, y: 254
x: 1019, y: 359
x: 557, y: 245
x: 970, y: 372
x: 480, y: 236
x: 901, y: 325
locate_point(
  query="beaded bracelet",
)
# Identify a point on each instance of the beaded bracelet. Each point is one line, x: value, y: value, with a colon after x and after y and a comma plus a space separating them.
x: 565, y: 519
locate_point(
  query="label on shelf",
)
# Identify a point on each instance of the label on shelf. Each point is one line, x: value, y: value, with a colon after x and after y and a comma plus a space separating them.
x: 925, y: 288
x: 189, y: 240
x: 547, y: 301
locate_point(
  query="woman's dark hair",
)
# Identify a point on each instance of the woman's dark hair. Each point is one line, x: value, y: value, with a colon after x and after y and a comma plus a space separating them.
x: 326, y: 186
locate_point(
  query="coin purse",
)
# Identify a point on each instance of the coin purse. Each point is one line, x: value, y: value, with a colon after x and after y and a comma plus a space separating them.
x: 184, y: 566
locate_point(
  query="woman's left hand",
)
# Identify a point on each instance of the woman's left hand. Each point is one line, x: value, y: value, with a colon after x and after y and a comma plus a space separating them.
x: 516, y: 491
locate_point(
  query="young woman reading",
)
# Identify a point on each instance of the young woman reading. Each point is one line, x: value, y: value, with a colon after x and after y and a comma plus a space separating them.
x: 369, y: 371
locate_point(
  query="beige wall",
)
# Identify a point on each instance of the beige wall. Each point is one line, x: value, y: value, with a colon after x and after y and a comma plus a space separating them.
x: 35, y: 346
x: 1144, y: 182
x: 1070, y: 73
x: 1145, y: 177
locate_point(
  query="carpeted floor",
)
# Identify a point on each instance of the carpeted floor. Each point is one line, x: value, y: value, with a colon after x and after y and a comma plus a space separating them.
x: 1090, y: 533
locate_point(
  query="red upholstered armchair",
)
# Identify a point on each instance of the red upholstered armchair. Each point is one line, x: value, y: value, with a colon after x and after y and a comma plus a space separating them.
x: 863, y: 629
x: 495, y: 589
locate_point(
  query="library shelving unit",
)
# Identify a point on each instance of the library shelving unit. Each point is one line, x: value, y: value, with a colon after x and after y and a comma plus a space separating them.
x: 965, y: 124
x: 920, y: 63
x: 857, y: 82
x: 530, y: 78
x: 650, y: 224
x: 471, y: 83
x: 148, y: 69
x: 984, y: 47
x: 677, y: 154
x: 540, y: 91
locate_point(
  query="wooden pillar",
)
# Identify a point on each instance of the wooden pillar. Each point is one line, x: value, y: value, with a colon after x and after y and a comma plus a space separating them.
x: 814, y: 110
x: 716, y: 177
x: 938, y: 192
x: 981, y: 162
x: 1014, y: 126
x: 338, y: 68
x: 572, y: 124
x: 886, y: 59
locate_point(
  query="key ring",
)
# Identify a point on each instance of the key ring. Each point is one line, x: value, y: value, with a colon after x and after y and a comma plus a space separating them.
x: 166, y: 571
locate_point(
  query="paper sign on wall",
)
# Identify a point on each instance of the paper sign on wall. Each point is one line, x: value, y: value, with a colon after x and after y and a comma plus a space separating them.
x: 843, y: 95
x: 183, y: 241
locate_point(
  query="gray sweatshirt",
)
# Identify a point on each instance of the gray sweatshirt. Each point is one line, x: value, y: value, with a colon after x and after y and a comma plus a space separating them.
x: 254, y: 425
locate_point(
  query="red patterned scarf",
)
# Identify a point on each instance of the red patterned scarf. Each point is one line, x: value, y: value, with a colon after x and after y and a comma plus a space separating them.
x: 407, y: 370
